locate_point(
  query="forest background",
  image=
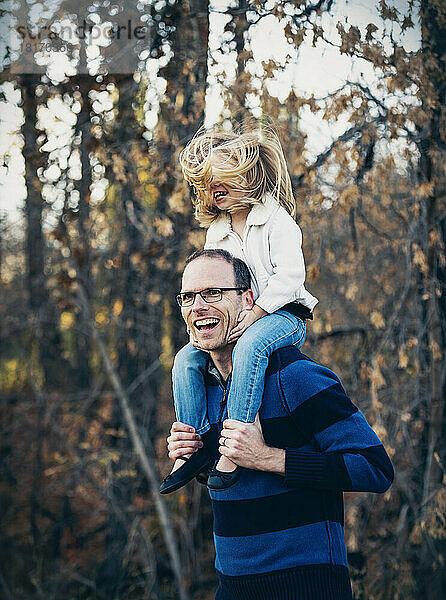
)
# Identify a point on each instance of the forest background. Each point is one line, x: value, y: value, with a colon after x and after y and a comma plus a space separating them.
x: 96, y: 223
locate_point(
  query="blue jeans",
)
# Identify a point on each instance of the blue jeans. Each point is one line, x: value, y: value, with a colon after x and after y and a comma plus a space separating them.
x: 249, y: 360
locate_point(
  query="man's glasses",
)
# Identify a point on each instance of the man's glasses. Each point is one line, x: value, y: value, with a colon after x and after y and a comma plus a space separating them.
x: 209, y: 295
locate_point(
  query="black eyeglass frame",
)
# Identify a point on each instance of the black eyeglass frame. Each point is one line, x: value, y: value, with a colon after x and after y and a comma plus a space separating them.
x: 221, y: 289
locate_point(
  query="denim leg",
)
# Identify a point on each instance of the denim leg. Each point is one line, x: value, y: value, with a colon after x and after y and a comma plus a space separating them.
x: 189, y: 391
x: 250, y: 360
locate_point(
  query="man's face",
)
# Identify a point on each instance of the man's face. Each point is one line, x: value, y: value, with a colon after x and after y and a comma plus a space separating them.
x: 210, y: 324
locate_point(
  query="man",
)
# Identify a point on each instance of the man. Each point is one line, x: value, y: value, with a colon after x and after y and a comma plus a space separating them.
x: 278, y: 531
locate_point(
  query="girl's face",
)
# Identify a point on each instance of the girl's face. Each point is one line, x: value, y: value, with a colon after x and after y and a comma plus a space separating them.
x: 225, y: 191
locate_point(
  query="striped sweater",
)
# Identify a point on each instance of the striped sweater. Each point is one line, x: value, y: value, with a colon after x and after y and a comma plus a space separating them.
x: 283, y: 537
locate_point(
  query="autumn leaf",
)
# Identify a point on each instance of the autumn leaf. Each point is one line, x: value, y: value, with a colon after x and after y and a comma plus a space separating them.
x: 101, y: 317
x: 163, y: 226
x: 419, y: 258
x: 371, y: 28
x: 403, y: 359
x: 117, y: 307
x: 66, y: 321
x: 377, y: 320
x: 352, y: 291
x: 313, y: 272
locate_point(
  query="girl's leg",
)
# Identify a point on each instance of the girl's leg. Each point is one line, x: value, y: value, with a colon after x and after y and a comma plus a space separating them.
x: 189, y: 395
x: 189, y: 392
x: 250, y: 361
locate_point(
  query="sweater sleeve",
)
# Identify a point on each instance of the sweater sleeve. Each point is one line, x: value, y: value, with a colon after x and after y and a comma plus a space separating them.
x: 349, y: 455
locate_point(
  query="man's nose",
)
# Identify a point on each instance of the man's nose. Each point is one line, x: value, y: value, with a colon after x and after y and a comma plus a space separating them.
x: 199, y: 303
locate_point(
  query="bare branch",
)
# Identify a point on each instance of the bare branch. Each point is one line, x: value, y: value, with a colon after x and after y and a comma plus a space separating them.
x: 348, y: 135
x: 340, y: 333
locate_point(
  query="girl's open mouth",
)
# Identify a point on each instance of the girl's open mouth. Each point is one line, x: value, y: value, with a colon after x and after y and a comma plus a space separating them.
x: 219, y: 195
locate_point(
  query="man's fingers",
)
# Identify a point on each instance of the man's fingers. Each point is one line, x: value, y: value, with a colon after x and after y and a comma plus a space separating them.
x: 228, y: 442
x: 173, y: 455
x: 186, y: 441
x: 178, y: 426
x: 179, y: 435
x: 233, y: 424
x: 230, y: 453
x: 183, y: 446
x: 190, y: 446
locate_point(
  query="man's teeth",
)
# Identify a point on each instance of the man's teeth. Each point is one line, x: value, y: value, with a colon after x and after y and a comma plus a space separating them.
x: 219, y: 194
x: 206, y: 322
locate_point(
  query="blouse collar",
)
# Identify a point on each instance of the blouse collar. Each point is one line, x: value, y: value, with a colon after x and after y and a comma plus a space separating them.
x: 258, y: 215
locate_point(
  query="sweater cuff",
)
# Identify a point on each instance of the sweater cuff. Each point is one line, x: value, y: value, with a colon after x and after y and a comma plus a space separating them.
x: 303, y: 468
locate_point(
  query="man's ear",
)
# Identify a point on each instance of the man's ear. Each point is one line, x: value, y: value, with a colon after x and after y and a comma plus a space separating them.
x: 248, y: 299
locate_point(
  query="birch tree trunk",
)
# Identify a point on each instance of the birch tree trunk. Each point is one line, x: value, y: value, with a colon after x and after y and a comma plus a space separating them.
x: 42, y: 311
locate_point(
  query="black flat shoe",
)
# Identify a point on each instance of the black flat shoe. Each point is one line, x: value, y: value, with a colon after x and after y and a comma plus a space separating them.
x: 193, y: 466
x: 220, y: 480
x: 203, y: 476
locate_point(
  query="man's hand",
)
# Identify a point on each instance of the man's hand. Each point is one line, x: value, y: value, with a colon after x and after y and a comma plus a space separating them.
x: 182, y: 441
x: 243, y: 443
x: 246, y: 318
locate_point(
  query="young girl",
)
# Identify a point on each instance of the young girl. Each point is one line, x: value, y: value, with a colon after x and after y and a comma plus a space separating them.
x: 244, y: 196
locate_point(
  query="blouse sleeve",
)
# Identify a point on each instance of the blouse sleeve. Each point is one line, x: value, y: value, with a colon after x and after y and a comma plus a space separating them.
x: 287, y: 259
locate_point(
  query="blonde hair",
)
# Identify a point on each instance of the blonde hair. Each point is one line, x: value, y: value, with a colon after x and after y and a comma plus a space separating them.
x: 252, y: 162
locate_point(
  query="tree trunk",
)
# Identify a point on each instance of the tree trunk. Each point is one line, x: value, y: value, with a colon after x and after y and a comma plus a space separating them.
x: 180, y: 117
x: 82, y: 340
x: 133, y: 291
x: 41, y: 309
x: 241, y: 27
x: 431, y: 167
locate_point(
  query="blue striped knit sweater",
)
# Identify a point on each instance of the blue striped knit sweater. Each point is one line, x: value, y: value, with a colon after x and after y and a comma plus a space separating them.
x: 283, y: 537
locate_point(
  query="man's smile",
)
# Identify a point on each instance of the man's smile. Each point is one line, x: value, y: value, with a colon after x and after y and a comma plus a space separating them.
x: 207, y: 324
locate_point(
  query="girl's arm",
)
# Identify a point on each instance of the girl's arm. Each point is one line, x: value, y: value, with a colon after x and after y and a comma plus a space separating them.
x: 246, y: 318
x: 285, y: 247
x: 287, y: 260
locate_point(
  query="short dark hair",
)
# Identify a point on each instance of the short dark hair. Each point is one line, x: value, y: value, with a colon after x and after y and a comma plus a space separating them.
x: 242, y: 275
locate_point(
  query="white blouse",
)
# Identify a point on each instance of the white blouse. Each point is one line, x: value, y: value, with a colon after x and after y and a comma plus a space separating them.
x: 272, y: 249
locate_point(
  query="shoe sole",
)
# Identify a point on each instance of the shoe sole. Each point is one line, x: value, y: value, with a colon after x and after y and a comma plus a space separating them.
x: 176, y: 486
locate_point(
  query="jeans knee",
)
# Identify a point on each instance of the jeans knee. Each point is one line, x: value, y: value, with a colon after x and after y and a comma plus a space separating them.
x: 183, y: 358
x: 188, y: 357
x: 247, y: 351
